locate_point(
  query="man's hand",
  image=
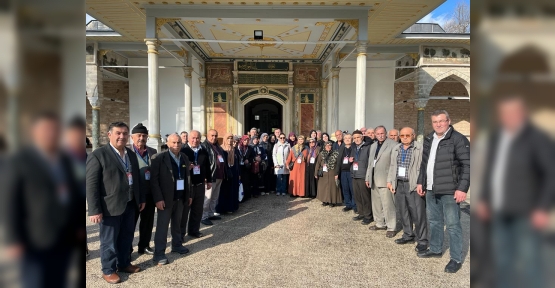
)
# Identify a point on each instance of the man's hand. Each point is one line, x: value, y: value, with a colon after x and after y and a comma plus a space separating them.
x: 316, y: 176
x: 190, y: 201
x: 459, y: 196
x: 336, y: 176
x: 367, y: 184
x: 160, y: 205
x: 420, y: 191
x: 96, y: 219
x: 246, y: 161
x: 351, y: 159
x: 191, y: 166
x: 208, y: 186
x: 15, y: 251
x: 390, y: 187
x: 540, y: 219
x: 142, y: 207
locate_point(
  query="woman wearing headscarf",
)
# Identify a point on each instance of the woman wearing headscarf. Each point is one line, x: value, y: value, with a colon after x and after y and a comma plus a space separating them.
x: 228, y: 202
x: 268, y: 173
x: 245, y: 160
x: 328, y: 185
x: 292, y: 139
x: 280, y: 153
x: 258, y: 166
x: 311, y: 183
x: 271, y: 176
x: 297, y: 174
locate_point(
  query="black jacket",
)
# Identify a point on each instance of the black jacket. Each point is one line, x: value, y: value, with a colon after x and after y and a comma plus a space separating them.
x: 529, y: 181
x: 452, y: 166
x: 212, y: 157
x: 362, y: 162
x: 163, y: 180
x: 203, y: 161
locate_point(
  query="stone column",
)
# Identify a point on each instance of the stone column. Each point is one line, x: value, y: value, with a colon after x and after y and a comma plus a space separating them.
x: 324, y: 122
x: 202, y: 118
x: 334, y: 121
x: 94, y: 95
x: 154, y: 138
x: 360, y: 103
x: 420, y: 104
x: 237, y: 110
x: 188, y: 99
x: 291, y: 113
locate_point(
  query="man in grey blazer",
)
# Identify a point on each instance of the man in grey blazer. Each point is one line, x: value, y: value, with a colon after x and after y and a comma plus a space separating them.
x: 113, y: 195
x: 383, y: 203
x: 171, y: 192
x: 401, y: 180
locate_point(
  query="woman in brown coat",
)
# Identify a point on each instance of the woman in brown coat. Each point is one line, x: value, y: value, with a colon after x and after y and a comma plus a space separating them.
x: 298, y: 156
x: 311, y: 183
x: 328, y: 187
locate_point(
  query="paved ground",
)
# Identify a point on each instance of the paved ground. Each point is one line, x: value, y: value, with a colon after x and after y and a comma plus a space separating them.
x: 286, y: 242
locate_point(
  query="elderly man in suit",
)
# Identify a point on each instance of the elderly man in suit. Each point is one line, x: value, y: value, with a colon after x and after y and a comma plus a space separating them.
x: 170, y: 191
x: 114, y: 194
x: 383, y: 203
x: 139, y: 135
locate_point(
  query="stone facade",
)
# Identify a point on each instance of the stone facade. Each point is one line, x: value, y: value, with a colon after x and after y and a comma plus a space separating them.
x: 111, y: 111
x: 459, y: 110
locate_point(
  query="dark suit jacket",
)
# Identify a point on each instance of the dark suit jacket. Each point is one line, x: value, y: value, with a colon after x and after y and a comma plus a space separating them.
x: 107, y: 184
x: 35, y: 215
x: 162, y: 182
x: 202, y: 160
x: 529, y: 181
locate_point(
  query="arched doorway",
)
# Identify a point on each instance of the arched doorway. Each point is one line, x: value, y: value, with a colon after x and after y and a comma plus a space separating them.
x: 265, y: 114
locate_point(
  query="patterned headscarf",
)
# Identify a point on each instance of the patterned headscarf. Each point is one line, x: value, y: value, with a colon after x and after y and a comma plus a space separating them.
x: 333, y: 154
x: 299, y: 147
x: 229, y: 149
x: 292, y: 143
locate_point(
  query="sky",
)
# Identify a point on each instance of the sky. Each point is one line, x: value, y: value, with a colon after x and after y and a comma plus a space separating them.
x: 442, y: 13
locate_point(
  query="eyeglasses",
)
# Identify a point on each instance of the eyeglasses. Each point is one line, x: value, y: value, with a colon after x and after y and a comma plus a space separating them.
x: 281, y: 137
x: 405, y: 136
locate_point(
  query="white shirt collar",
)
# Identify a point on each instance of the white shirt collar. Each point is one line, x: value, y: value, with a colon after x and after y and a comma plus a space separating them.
x: 443, y: 136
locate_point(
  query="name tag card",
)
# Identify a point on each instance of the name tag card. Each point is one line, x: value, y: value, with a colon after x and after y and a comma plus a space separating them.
x: 180, y: 184
x: 147, y: 175
x: 345, y: 160
x: 325, y: 168
x: 130, y: 178
x: 221, y: 159
x: 196, y: 170
x: 312, y: 160
x: 355, y: 166
x: 299, y: 160
x: 402, y: 172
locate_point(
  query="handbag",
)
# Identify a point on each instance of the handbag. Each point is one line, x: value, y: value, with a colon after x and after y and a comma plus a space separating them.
x: 291, y: 165
x: 320, y: 172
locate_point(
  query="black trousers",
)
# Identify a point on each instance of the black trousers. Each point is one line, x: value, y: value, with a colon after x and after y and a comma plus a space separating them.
x: 362, y: 198
x: 147, y: 222
x: 47, y: 268
x: 171, y: 213
x: 116, y: 238
x: 413, y: 210
x: 192, y: 215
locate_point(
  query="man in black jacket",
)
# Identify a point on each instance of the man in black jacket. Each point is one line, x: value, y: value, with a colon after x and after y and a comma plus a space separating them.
x: 444, y: 179
x: 113, y: 195
x: 170, y: 191
x: 218, y: 164
x: 201, y: 180
x: 359, y: 159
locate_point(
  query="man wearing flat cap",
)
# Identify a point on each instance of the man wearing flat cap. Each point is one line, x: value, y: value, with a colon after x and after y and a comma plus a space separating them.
x: 143, y: 153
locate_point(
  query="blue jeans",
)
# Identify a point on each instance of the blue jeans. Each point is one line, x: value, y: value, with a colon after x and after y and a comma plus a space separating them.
x: 347, y: 189
x: 438, y: 208
x: 116, y: 237
x: 281, y: 183
x: 517, y: 257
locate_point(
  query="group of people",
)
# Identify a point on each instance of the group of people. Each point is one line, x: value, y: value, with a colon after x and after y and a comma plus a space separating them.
x: 191, y: 183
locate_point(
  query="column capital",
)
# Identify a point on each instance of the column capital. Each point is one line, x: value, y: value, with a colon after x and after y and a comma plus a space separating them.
x: 202, y: 82
x: 152, y: 44
x: 325, y: 83
x: 335, y: 72
x: 361, y: 47
x: 421, y: 103
x: 188, y: 70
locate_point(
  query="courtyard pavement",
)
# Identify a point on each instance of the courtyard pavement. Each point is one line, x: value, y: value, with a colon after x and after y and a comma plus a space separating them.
x: 278, y: 241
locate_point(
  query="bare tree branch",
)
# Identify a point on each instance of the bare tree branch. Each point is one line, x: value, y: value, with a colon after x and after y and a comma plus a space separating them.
x: 460, y: 19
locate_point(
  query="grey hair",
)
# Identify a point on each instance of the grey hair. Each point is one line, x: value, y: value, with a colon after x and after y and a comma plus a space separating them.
x: 318, y: 131
x: 381, y: 126
x: 439, y: 112
x: 411, y: 129
x: 174, y: 134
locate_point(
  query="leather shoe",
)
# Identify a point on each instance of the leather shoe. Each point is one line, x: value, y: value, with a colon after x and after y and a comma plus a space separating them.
x: 215, y: 218
x: 358, y: 218
x: 453, y: 266
x: 390, y: 234
x: 375, y: 228
x: 325, y: 203
x: 404, y: 241
x: 206, y: 222
x: 130, y: 269
x: 346, y: 209
x: 332, y: 205
x: 421, y: 248
x: 180, y: 249
x: 366, y: 221
x: 428, y: 254
x: 196, y: 235
x: 112, y: 278
x: 147, y: 250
